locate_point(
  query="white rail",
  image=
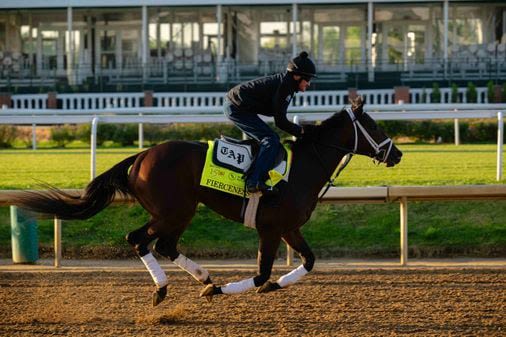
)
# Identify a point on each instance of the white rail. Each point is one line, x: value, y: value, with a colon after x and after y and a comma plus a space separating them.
x: 165, y: 115
x: 337, y: 195
x: 90, y: 101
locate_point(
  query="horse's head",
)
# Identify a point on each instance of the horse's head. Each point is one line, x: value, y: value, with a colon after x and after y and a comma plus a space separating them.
x: 370, y: 140
x: 358, y: 133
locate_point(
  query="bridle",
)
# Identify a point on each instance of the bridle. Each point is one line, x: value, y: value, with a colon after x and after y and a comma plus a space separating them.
x: 380, y: 153
x: 378, y: 148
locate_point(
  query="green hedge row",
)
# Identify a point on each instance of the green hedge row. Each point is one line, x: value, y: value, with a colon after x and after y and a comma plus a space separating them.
x: 127, y: 134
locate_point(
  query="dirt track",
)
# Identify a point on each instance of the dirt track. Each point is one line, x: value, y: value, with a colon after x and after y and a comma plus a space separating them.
x: 337, y: 303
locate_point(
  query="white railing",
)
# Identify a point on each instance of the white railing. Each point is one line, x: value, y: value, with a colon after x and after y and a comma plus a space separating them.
x: 100, y: 101
x: 165, y: 115
x: 29, y: 101
x: 337, y: 195
x: 90, y: 101
x: 186, y: 99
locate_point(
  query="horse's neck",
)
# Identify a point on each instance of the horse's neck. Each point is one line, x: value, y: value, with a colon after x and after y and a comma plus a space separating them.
x: 316, y: 165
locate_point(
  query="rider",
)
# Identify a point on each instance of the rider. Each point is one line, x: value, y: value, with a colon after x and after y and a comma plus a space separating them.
x: 268, y: 96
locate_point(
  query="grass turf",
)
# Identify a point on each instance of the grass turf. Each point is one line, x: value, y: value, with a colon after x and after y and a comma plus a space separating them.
x: 436, y: 228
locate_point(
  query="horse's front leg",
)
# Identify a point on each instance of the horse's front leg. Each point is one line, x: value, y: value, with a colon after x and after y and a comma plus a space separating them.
x: 295, y: 240
x: 268, y: 247
x: 167, y: 246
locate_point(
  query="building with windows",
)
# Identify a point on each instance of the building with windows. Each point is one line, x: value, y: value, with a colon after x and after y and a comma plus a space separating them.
x: 213, y: 44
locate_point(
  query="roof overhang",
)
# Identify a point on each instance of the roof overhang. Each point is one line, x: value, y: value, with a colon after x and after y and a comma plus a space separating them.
x: 23, y: 4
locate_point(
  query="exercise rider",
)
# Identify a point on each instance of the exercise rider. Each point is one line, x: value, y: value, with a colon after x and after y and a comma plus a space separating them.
x: 268, y: 96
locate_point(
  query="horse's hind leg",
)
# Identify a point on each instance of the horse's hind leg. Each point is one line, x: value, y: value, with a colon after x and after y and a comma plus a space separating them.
x: 139, y: 239
x: 297, y: 242
x: 167, y: 246
x: 266, y: 254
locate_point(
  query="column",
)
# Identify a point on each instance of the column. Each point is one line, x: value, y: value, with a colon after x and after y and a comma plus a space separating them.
x: 295, y: 18
x: 445, y: 36
x: 220, y: 71
x: 30, y: 41
x: 404, y: 230
x: 370, y: 23
x: 70, y: 47
x: 144, y: 43
x: 39, y: 52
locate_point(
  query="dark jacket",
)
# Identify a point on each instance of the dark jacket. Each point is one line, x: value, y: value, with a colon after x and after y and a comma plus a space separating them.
x: 268, y: 96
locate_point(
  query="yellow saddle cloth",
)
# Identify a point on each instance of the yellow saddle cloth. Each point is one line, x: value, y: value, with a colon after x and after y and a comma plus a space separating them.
x: 228, y: 181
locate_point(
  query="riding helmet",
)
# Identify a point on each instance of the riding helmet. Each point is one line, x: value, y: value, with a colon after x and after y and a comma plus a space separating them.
x: 303, y: 66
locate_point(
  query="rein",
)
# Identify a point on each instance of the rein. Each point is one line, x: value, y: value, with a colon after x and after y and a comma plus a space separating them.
x: 350, y: 152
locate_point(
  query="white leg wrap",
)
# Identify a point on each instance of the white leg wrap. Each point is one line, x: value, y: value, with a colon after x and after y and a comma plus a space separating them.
x: 292, y: 277
x: 155, y: 270
x: 198, y: 273
x: 238, y: 287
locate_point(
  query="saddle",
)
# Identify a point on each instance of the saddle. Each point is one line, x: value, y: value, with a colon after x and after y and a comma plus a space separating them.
x: 228, y: 162
x: 239, y: 155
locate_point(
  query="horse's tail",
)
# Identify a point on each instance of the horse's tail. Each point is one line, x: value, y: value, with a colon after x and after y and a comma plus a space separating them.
x: 99, y: 193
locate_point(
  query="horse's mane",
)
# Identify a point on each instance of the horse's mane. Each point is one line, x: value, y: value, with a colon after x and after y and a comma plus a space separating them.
x: 332, y: 122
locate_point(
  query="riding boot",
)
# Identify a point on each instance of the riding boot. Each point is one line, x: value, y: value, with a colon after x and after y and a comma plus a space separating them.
x: 263, y: 163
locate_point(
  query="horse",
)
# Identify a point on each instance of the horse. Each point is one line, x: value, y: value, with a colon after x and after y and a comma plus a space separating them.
x: 165, y: 180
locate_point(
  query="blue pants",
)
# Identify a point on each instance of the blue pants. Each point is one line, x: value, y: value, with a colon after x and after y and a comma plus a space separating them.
x: 255, y: 128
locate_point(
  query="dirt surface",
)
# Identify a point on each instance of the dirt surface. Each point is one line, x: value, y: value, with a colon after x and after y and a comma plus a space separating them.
x: 325, y: 303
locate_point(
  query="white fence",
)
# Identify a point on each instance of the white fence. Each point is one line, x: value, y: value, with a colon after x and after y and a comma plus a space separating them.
x: 213, y: 114
x: 382, y: 194
x: 90, y: 101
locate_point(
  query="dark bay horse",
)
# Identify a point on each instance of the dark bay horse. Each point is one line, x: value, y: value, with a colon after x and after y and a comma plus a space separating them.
x: 165, y: 180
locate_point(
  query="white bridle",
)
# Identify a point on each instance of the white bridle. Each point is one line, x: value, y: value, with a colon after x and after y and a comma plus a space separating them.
x: 375, y: 146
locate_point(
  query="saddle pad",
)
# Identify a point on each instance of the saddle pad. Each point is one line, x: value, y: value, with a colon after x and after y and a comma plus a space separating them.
x: 226, y: 180
x: 236, y: 157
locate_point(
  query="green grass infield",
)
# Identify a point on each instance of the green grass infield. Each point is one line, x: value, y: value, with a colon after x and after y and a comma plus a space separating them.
x: 463, y: 228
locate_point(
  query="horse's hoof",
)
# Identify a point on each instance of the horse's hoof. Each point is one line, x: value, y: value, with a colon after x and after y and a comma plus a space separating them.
x: 268, y: 286
x: 209, y: 291
x: 159, y: 295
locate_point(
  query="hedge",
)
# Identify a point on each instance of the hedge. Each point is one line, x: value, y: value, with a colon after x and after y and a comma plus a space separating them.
x: 471, y: 131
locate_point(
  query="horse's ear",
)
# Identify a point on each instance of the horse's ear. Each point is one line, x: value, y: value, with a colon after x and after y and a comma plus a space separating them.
x: 357, y: 105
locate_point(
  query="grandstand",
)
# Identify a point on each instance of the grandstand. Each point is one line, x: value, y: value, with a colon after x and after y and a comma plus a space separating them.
x: 210, y: 45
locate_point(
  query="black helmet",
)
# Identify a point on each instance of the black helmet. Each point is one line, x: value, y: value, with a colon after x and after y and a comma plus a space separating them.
x: 303, y: 66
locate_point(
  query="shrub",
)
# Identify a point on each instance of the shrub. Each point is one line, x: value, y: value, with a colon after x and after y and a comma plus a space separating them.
x: 125, y: 134
x: 454, y: 93
x: 105, y: 132
x: 83, y: 133
x: 490, y: 92
x: 7, y: 135
x: 435, y: 97
x: 63, y: 134
x: 482, y: 132
x: 424, y: 95
x: 472, y: 94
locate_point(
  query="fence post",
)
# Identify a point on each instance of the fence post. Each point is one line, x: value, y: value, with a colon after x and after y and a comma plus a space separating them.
x: 52, y: 100
x: 93, y: 146
x: 57, y: 243
x: 457, y: 131
x: 404, y: 231
x: 500, y: 142
x: 34, y: 136
x: 401, y: 95
x: 5, y: 100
